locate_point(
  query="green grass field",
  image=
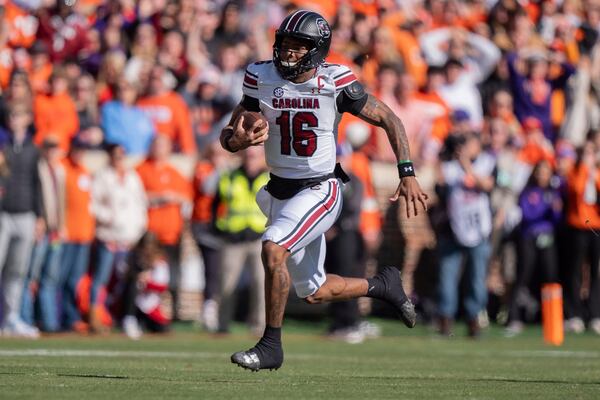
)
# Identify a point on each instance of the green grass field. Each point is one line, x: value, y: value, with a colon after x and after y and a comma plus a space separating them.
x: 402, y: 364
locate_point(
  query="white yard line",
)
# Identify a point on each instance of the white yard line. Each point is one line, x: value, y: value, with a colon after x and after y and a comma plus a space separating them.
x: 529, y: 353
x: 106, y: 353
x: 299, y: 356
x: 556, y: 353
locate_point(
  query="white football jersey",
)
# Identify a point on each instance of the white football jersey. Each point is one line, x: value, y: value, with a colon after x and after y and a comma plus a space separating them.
x: 469, y: 210
x: 303, y: 117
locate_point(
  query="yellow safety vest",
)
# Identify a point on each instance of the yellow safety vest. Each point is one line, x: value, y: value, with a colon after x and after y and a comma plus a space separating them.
x: 240, y: 202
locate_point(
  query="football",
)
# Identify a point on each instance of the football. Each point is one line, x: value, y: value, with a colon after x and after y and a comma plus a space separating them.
x: 250, y: 117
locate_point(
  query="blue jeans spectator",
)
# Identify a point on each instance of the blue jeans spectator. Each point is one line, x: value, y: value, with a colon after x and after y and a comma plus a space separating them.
x: 38, y: 256
x: 45, y: 262
x: 74, y: 260
x: 105, y: 259
x: 451, y: 260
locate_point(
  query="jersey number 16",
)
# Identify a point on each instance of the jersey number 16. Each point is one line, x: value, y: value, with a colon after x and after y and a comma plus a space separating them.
x: 294, y: 133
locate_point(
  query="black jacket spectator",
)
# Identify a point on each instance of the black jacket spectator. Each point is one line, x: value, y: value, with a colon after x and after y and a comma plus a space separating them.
x: 24, y: 182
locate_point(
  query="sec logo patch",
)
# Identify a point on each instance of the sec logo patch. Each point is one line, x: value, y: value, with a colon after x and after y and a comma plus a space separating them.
x: 278, y: 92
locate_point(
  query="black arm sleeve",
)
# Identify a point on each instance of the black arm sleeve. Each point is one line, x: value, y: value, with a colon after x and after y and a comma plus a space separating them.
x: 250, y: 103
x: 352, y: 98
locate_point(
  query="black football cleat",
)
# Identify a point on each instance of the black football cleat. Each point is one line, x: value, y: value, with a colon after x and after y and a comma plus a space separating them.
x: 250, y: 359
x: 395, y: 295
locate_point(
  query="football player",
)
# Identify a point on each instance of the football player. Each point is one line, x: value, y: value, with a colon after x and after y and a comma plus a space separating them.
x: 302, y: 99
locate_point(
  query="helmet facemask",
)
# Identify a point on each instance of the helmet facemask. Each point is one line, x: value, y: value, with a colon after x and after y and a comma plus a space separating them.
x: 290, y: 71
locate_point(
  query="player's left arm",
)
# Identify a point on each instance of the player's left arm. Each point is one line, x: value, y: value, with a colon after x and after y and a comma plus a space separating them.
x: 377, y: 113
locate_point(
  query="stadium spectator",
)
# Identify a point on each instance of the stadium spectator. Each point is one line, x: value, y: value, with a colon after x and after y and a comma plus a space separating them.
x: 171, y: 55
x: 229, y: 31
x: 88, y: 114
x: 360, y: 42
x: 41, y: 67
x: 147, y: 279
x: 200, y: 46
x: 240, y: 223
x: 45, y: 267
x: 511, y: 173
x: 532, y: 88
x: 407, y: 43
x: 583, y: 216
x: 511, y: 176
x: 501, y: 106
x: 387, y: 81
x: 90, y: 57
x: 126, y: 124
x: 168, y: 193
x: 498, y: 81
x: 343, y: 22
x: 80, y: 225
x: 415, y: 117
x: 383, y: 51
x: 340, y: 47
x: 170, y: 15
x: 20, y: 218
x: 201, y: 94
x: 537, y: 147
x: 467, y: 181
x: 345, y: 252
x: 112, y: 37
x: 18, y: 91
x: 541, y: 207
x: 206, y: 178
x: 73, y: 71
x: 476, y: 53
x: 437, y: 111
x: 463, y: 70
x: 168, y: 111
x: 231, y: 75
x: 583, y: 114
x: 112, y: 70
x: 120, y: 206
x: 258, y: 44
x: 357, y: 133
x: 144, y: 46
x: 566, y: 156
x: 56, y: 113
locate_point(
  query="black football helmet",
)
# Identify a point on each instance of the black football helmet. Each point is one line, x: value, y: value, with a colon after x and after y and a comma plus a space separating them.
x: 308, y: 26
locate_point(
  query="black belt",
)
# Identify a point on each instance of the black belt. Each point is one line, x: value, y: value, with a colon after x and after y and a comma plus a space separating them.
x: 286, y: 188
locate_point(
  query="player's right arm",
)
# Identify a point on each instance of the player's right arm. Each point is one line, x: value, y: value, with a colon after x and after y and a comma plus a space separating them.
x: 234, y: 137
x: 227, y: 131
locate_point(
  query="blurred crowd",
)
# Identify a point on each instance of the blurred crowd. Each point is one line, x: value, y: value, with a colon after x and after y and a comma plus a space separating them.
x: 501, y: 105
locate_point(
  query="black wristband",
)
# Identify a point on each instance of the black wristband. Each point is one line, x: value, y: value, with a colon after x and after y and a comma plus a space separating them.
x: 406, y: 168
x: 226, y: 145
